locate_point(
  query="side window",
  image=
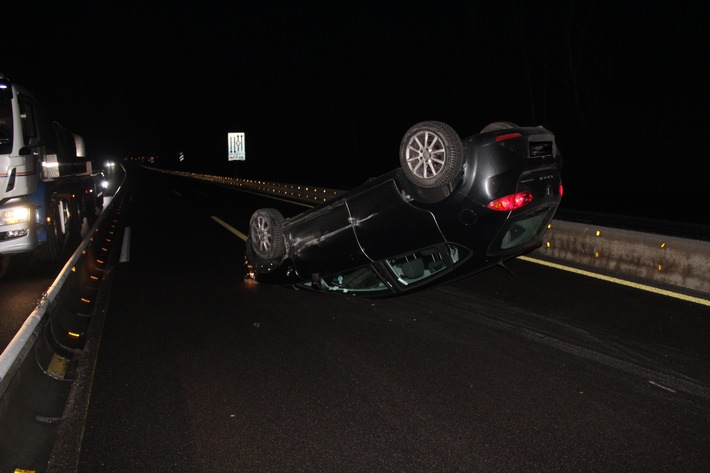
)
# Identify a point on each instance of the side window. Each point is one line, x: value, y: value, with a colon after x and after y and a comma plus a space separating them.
x: 456, y: 253
x: 29, y: 131
x: 362, y: 279
x: 423, y: 264
x: 5, y: 126
x: 417, y: 266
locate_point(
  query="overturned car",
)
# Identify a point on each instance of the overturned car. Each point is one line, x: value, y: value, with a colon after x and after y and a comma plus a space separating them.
x: 453, y: 208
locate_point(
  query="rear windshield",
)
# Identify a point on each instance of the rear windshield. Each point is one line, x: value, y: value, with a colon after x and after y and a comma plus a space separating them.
x: 520, y: 232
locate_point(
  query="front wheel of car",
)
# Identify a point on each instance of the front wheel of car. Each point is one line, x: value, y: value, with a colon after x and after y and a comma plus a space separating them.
x: 431, y: 155
x: 266, y: 234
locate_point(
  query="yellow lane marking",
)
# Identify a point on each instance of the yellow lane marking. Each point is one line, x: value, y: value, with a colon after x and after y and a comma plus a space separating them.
x: 623, y: 282
x: 230, y: 228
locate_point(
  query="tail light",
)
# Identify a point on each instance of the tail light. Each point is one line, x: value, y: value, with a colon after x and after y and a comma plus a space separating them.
x: 511, y: 202
x: 508, y: 136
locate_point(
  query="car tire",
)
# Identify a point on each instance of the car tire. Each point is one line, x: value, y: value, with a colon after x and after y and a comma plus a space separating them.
x: 495, y: 126
x: 266, y: 234
x: 431, y: 155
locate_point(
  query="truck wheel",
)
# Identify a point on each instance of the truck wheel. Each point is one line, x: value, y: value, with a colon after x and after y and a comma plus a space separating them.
x: 431, y: 155
x: 76, y: 216
x: 266, y: 234
x: 57, y: 234
x: 495, y: 126
x: 91, y: 209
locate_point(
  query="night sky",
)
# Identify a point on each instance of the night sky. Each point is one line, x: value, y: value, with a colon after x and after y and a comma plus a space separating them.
x: 325, y: 90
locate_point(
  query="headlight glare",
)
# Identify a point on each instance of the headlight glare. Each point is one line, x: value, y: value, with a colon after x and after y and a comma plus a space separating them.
x: 14, y: 215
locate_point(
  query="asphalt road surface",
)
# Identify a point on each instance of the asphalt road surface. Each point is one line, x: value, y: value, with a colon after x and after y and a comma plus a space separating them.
x: 23, y: 281
x: 196, y: 369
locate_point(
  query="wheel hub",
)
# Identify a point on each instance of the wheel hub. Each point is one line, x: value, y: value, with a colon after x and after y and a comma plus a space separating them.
x: 421, y: 151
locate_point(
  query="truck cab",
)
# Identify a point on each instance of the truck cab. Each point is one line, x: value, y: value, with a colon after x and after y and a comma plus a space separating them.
x: 46, y: 183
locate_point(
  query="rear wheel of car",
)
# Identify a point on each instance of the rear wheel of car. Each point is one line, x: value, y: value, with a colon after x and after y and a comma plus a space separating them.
x: 495, y: 126
x: 266, y: 234
x: 431, y: 155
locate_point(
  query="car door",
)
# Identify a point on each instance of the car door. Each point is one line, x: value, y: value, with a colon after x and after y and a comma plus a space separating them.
x: 322, y: 241
x: 385, y: 224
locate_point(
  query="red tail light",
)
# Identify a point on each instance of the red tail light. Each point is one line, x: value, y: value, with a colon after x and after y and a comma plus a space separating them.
x: 508, y: 136
x: 561, y: 190
x: 511, y: 202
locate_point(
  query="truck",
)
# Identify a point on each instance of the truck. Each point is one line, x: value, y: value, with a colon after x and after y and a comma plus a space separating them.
x: 48, y: 190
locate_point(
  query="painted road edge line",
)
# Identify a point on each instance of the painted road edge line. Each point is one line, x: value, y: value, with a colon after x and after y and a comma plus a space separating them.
x: 229, y: 227
x: 623, y: 282
x: 126, y: 246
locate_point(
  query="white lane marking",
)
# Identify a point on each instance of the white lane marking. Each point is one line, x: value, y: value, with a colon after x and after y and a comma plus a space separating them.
x: 126, y: 246
x: 653, y: 383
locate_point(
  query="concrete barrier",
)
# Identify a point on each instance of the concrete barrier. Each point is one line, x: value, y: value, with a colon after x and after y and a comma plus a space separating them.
x: 662, y: 260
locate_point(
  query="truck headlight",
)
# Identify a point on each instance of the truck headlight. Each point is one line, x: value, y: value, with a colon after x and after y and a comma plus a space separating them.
x: 14, y: 215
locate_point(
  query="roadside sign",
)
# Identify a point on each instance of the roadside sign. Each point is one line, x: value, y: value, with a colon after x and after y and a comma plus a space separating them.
x: 235, y: 147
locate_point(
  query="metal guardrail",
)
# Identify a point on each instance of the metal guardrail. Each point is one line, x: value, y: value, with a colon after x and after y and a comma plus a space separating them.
x: 36, y: 368
x: 303, y: 193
